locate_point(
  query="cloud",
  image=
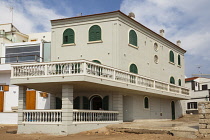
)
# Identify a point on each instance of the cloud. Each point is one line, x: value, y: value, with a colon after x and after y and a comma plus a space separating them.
x: 186, y: 20
x: 29, y: 16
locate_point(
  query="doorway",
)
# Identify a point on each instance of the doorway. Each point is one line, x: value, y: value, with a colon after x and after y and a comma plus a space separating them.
x: 96, y: 103
x: 1, y: 101
x: 31, y: 99
x: 173, y: 110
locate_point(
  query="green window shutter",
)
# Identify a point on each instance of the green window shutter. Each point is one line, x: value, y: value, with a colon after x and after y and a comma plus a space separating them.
x: 146, y: 102
x: 68, y: 36
x: 180, y: 82
x: 172, y: 81
x: 86, y: 104
x: 133, y: 38
x: 133, y: 68
x: 179, y: 60
x: 58, y: 103
x: 77, y: 103
x: 106, y: 103
x: 171, y: 56
x: 94, y: 33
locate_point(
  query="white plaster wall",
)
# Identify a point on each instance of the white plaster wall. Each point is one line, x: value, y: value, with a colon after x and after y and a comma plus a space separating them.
x: 46, y: 36
x: 41, y: 102
x: 8, y: 118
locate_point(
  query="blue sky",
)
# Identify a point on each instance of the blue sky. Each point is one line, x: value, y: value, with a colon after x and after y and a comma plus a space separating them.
x: 185, y: 20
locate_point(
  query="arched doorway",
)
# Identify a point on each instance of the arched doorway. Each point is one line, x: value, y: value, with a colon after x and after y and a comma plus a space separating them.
x: 173, y: 110
x: 96, y: 102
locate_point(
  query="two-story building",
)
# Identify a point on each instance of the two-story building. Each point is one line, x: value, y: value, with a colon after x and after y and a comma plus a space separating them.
x: 105, y: 68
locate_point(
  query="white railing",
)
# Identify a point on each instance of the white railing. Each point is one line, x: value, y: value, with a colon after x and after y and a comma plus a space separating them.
x: 88, y: 116
x: 83, y: 67
x: 42, y: 116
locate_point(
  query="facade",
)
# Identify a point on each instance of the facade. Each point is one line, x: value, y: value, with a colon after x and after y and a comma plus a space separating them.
x: 17, y: 48
x: 105, y: 68
x: 199, y: 92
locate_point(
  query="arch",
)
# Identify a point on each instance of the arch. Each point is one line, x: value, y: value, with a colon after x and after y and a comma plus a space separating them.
x: 96, y: 102
x: 173, y: 115
x: 133, y: 38
x: 95, y: 33
x: 180, y: 82
x: 171, y: 56
x: 68, y: 36
x: 133, y: 68
x: 179, y: 60
x: 76, y: 103
x: 172, y: 81
x: 96, y: 61
x: 146, y: 102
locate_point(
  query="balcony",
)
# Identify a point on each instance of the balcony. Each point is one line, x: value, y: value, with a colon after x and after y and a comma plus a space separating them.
x: 20, y: 59
x: 88, y: 75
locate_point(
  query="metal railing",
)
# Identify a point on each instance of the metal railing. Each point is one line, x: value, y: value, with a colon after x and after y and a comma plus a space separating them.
x: 20, y: 59
x: 83, y: 67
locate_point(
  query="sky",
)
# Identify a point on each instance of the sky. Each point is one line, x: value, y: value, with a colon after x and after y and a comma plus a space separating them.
x: 185, y: 20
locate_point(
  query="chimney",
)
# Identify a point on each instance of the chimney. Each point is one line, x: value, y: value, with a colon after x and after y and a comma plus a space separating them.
x: 178, y: 43
x: 162, y: 33
x: 131, y: 15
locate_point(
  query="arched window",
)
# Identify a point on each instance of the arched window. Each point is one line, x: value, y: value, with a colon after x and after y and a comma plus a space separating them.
x: 96, y: 102
x: 171, y: 56
x: 179, y: 60
x: 68, y: 36
x: 76, y: 103
x: 132, y: 38
x: 133, y: 68
x: 146, y: 102
x: 180, y: 82
x: 96, y: 61
x: 94, y: 33
x: 172, y: 81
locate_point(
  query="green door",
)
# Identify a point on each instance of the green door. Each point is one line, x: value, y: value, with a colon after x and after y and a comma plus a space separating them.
x: 173, y: 110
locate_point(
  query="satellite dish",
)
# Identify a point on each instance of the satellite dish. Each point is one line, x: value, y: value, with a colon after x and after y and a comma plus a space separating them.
x: 131, y: 14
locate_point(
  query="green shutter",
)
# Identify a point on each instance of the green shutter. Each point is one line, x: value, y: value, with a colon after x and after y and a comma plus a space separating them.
x: 68, y: 36
x: 86, y: 103
x: 146, y: 102
x: 133, y: 38
x: 94, y: 33
x: 172, y: 81
x: 58, y: 103
x: 77, y: 103
x: 171, y: 56
x: 106, y: 103
x: 180, y: 82
x: 179, y: 60
x: 133, y: 68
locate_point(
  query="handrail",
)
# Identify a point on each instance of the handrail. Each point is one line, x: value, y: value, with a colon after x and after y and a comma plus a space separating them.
x: 36, y: 57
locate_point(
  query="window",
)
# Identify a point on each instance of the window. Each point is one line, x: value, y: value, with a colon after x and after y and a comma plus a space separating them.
x: 133, y: 68
x: 171, y: 56
x: 95, y: 33
x: 68, y: 36
x: 96, y: 61
x: 204, y: 87
x: 180, y: 82
x: 146, y: 102
x: 156, y: 59
x: 86, y: 104
x: 155, y: 46
x: 179, y: 60
x: 172, y: 81
x: 76, y: 103
x: 132, y: 38
x: 192, y: 105
x: 106, y: 103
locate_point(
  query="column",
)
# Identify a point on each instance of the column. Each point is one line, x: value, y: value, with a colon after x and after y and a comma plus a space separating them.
x: 118, y: 105
x: 67, y: 106
x: 21, y: 103
x: 52, y: 101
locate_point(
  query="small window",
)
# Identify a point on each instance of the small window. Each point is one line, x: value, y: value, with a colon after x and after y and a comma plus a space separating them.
x: 192, y: 105
x: 68, y: 36
x: 133, y: 38
x: 96, y: 61
x: 133, y: 68
x: 179, y: 60
x: 172, y: 81
x: 146, y: 102
x: 180, y: 82
x: 156, y: 59
x: 77, y: 103
x: 155, y: 46
x: 95, y: 33
x: 204, y: 87
x: 171, y: 56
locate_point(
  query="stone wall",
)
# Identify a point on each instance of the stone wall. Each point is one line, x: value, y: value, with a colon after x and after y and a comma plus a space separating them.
x: 204, y: 119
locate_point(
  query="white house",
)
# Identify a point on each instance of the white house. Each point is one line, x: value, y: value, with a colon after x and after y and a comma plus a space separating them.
x: 105, y: 68
x: 15, y: 48
x: 199, y: 92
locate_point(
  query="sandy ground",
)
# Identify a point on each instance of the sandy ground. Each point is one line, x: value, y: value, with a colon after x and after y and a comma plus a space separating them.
x: 98, y: 134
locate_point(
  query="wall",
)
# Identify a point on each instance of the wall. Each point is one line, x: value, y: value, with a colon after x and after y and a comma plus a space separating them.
x: 46, y: 36
x: 8, y: 118
x: 159, y: 108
